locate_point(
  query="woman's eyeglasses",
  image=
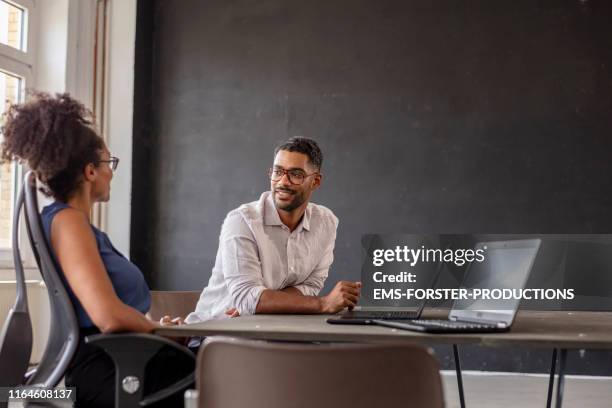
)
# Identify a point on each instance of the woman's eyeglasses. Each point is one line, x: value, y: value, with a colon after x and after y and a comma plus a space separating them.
x: 113, y: 162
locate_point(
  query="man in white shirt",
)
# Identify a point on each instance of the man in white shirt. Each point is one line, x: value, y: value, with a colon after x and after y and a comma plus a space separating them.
x: 274, y: 254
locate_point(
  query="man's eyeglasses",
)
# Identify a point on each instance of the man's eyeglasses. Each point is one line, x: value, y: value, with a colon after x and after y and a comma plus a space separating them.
x: 295, y: 176
x: 113, y: 162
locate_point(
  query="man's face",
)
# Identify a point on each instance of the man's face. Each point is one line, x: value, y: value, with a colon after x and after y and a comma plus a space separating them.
x: 287, y: 195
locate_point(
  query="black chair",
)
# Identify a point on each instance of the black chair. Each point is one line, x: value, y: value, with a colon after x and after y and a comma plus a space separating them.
x: 130, y: 352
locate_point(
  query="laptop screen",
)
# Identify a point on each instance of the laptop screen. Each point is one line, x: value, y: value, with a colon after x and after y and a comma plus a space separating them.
x: 506, y: 266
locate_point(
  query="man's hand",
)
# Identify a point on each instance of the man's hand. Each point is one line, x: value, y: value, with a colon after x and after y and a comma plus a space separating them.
x: 344, y: 294
x: 233, y: 312
x: 177, y: 321
x: 168, y: 321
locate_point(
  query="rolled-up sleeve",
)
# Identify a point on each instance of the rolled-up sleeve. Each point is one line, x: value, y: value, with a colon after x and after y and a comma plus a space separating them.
x: 313, y: 284
x: 241, y: 264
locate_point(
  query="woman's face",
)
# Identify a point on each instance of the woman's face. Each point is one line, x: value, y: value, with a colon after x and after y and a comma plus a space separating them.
x: 101, y: 184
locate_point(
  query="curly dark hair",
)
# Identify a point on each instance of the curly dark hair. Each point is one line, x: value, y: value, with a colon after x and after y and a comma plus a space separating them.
x: 55, y: 136
x: 305, y: 146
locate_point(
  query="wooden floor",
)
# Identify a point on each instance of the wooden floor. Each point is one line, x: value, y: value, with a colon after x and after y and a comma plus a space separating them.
x: 510, y: 390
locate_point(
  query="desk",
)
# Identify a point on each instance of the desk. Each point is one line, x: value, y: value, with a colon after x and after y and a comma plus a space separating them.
x: 555, y: 330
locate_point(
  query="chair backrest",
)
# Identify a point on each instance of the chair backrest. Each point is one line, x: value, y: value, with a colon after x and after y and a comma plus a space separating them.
x: 240, y: 373
x: 64, y: 328
x: 173, y: 303
x: 16, y: 335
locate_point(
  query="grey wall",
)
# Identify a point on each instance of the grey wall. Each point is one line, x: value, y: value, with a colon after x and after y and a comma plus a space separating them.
x: 434, y: 116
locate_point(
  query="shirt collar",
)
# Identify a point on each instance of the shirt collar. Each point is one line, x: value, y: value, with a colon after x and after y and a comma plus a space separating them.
x: 306, y: 218
x: 271, y: 216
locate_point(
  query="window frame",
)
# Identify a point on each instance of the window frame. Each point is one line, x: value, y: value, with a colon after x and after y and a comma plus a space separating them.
x: 20, y: 63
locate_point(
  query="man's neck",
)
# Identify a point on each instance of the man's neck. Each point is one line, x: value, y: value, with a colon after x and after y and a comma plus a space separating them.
x: 292, y: 218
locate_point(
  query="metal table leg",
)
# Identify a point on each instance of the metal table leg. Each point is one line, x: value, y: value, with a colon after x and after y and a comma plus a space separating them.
x: 459, y: 378
x: 561, y: 380
x: 551, y: 380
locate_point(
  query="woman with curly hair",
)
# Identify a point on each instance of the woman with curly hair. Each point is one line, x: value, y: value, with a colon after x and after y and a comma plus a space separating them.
x: 56, y: 138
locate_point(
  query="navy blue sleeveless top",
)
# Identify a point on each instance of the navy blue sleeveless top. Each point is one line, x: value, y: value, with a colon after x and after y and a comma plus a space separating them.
x: 127, y: 279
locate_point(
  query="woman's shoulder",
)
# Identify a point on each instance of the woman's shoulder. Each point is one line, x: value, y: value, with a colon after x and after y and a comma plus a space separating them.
x: 65, y: 217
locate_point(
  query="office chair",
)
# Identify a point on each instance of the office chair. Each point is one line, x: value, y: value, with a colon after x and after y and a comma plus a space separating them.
x: 16, y: 336
x: 240, y: 373
x: 130, y: 351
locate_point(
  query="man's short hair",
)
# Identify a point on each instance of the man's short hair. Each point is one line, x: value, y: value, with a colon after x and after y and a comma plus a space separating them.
x: 305, y: 146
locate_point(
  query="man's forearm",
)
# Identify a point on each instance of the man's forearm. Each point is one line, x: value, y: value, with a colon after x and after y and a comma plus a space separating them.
x: 288, y: 300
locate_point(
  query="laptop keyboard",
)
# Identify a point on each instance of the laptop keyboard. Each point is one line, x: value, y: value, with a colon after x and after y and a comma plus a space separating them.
x: 394, y: 315
x: 454, y: 325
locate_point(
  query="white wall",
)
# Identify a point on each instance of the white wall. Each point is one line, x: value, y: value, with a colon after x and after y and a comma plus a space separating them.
x: 51, y: 46
x: 120, y: 108
x: 79, y: 52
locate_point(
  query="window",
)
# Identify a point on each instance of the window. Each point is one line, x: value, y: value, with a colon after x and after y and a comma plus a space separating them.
x: 12, y: 20
x: 15, y: 74
x: 10, y: 93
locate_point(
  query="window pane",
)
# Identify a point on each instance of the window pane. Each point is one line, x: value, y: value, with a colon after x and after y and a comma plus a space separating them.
x: 11, y: 25
x: 10, y: 92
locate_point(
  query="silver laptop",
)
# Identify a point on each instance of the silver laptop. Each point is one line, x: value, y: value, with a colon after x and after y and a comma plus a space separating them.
x: 507, y: 265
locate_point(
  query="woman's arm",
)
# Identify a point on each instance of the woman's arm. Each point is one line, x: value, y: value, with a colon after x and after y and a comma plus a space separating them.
x: 75, y: 246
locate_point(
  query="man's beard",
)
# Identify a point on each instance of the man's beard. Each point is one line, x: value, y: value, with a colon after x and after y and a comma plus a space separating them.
x: 296, y: 201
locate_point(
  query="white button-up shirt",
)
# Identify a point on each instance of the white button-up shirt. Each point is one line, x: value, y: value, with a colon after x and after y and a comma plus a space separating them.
x: 257, y: 252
